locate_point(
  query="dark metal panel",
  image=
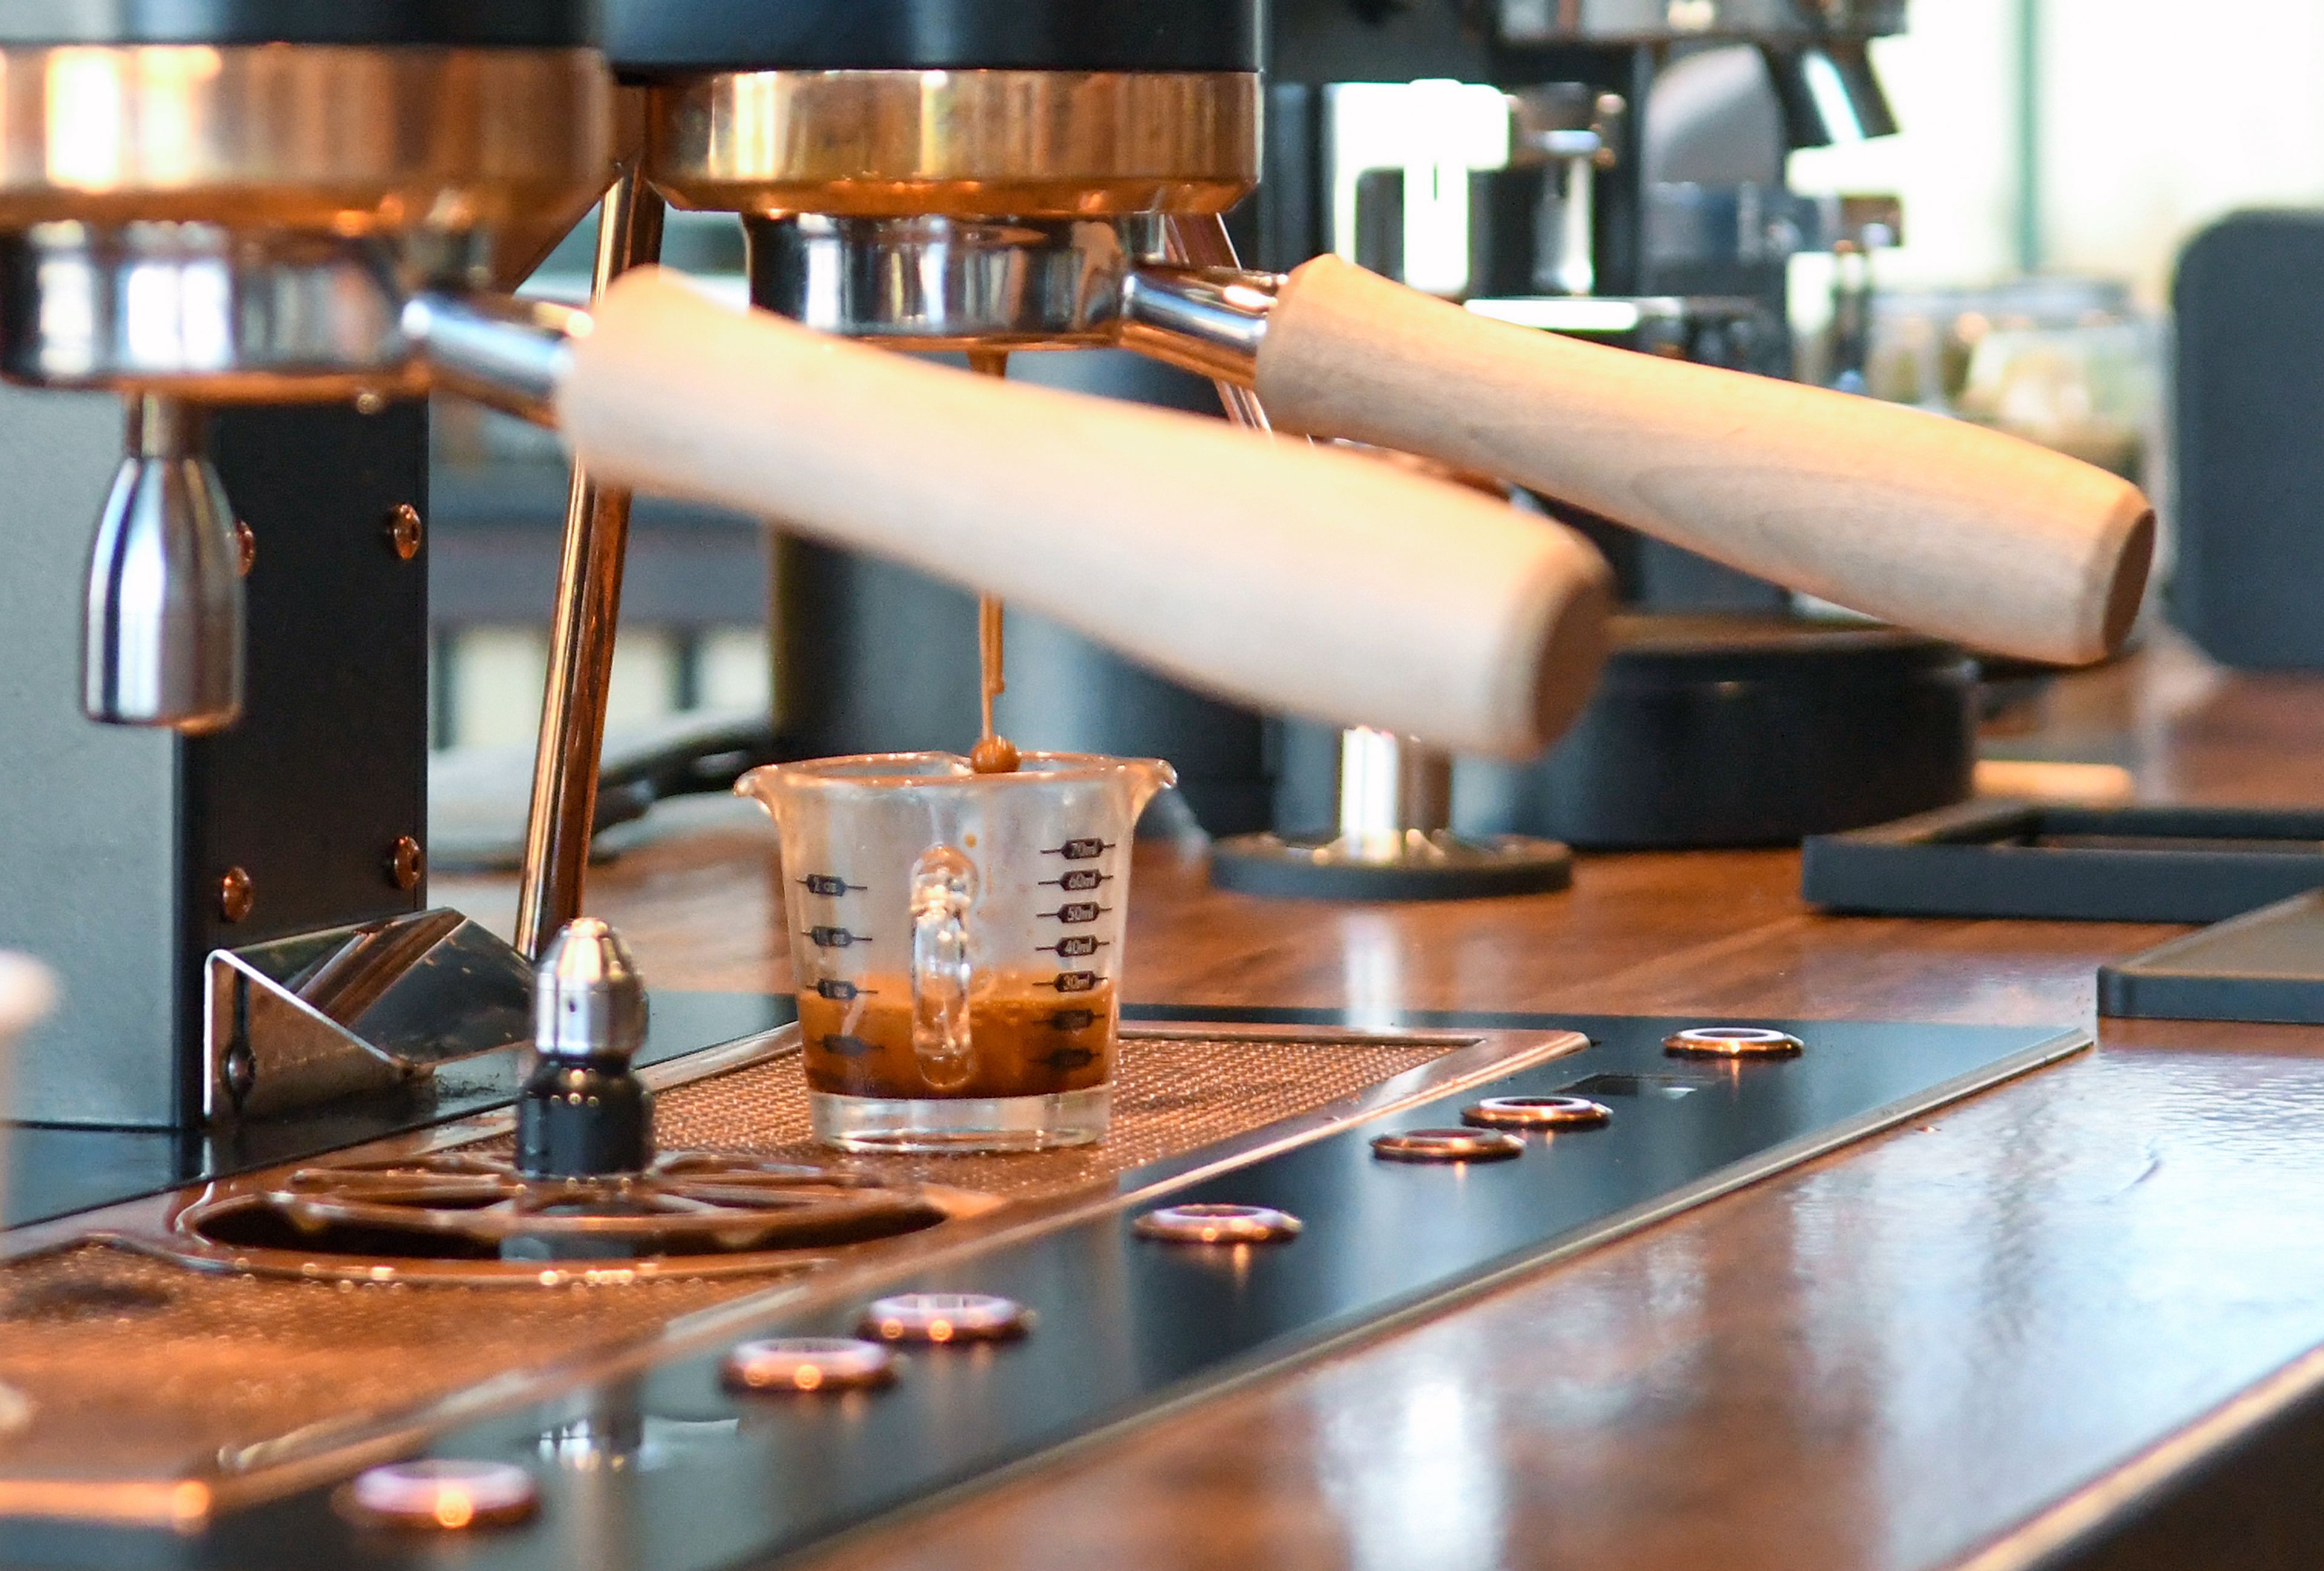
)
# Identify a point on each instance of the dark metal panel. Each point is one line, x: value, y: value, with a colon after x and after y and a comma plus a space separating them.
x: 651, y: 37
x: 523, y: 23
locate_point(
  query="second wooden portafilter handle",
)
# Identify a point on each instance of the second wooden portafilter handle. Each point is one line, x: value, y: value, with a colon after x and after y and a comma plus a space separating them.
x: 1931, y: 523
x: 1322, y: 583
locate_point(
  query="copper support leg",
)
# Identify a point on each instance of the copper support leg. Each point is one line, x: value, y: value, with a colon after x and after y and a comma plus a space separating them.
x: 581, y: 637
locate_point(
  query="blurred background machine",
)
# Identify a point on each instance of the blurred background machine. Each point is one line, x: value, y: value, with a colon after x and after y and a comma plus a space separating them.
x: 1615, y: 171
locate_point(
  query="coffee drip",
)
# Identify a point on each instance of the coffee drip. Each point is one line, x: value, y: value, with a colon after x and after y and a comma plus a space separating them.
x: 993, y: 753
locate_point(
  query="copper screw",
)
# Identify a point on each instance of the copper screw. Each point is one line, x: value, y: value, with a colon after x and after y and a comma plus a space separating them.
x: 406, y: 862
x: 246, y: 545
x: 236, y: 894
x: 404, y: 531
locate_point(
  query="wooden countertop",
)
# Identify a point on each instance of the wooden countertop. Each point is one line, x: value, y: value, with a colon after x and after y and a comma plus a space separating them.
x: 1920, y: 1352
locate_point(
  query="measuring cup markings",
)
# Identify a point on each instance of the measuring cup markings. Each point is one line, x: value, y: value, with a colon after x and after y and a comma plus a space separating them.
x: 835, y: 938
x: 1073, y: 946
x: 1080, y: 848
x: 1078, y: 880
x: 830, y: 886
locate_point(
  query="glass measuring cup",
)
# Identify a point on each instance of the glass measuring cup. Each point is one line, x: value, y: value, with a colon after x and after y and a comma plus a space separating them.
x: 956, y: 939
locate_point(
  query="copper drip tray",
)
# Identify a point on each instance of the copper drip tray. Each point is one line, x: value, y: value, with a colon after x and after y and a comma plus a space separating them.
x: 163, y: 1394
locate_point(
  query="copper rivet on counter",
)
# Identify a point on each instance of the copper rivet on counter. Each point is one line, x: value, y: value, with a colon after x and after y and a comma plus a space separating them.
x: 1538, y: 1113
x: 1449, y: 1145
x: 447, y: 1495
x: 1218, y: 1224
x: 943, y: 1318
x: 404, y: 530
x: 236, y: 894
x: 806, y: 1364
x: 1734, y: 1041
x: 245, y: 547
x: 406, y: 862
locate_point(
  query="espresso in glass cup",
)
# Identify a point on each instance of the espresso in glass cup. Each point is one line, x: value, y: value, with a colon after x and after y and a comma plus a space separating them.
x: 957, y: 940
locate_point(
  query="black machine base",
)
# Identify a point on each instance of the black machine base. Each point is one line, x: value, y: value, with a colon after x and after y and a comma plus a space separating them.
x: 1436, y: 865
x: 1125, y: 1326
x: 1744, y: 731
x: 2266, y: 966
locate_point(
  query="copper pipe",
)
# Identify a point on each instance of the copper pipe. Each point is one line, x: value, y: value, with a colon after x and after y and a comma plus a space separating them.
x: 581, y: 638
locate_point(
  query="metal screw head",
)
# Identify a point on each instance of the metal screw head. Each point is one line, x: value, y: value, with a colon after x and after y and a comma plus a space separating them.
x: 405, y: 531
x: 448, y: 1496
x: 1537, y: 1113
x: 805, y: 1365
x: 405, y: 862
x: 946, y: 1318
x: 1449, y: 1145
x: 246, y: 545
x: 1218, y: 1224
x: 236, y: 894
x: 1733, y: 1041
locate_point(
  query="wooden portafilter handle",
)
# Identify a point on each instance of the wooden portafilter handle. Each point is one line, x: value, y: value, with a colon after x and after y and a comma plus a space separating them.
x: 1935, y: 524
x: 1321, y: 583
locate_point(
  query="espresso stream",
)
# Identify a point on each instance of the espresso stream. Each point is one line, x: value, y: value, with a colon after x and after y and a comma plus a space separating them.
x: 1026, y: 1041
x: 994, y: 753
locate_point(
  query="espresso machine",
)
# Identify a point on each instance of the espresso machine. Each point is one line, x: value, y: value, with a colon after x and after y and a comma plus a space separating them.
x: 424, y: 1272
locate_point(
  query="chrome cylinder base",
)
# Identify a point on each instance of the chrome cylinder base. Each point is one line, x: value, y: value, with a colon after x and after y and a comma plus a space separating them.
x: 163, y: 628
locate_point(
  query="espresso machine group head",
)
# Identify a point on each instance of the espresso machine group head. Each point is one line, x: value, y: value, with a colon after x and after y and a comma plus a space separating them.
x: 193, y: 215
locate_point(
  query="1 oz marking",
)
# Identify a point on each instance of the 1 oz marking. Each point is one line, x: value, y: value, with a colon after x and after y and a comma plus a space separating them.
x: 829, y: 884
x: 1080, y: 849
x: 1073, y: 947
x: 1078, y: 910
x: 1079, y: 878
x: 1074, y: 982
x: 835, y: 938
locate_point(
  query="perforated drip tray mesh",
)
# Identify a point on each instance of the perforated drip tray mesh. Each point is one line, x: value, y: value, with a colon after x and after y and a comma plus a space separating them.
x: 149, y: 1379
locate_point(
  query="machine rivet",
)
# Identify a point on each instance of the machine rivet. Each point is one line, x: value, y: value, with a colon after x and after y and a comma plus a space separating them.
x: 236, y: 894
x: 405, y: 862
x: 404, y: 530
x: 1538, y: 1113
x: 1218, y: 1224
x: 946, y: 1317
x: 1734, y: 1041
x: 1449, y: 1145
x: 370, y: 401
x: 449, y: 1496
x: 246, y: 546
x: 806, y: 1364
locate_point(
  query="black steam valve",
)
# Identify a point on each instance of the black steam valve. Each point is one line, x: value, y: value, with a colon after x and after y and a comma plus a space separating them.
x: 584, y: 1113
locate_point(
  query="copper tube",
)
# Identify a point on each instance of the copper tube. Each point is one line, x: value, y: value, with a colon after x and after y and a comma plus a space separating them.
x: 581, y: 639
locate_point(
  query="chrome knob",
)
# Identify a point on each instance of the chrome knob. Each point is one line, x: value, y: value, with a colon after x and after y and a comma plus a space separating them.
x: 588, y: 1001
x: 583, y: 1113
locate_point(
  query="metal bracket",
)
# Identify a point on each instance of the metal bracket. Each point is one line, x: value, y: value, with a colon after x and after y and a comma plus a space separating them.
x: 319, y: 1016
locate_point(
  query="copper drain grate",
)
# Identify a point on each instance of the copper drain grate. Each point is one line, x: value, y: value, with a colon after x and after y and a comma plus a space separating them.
x: 146, y: 1376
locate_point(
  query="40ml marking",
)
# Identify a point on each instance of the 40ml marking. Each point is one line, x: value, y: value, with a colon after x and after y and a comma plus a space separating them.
x: 1073, y: 947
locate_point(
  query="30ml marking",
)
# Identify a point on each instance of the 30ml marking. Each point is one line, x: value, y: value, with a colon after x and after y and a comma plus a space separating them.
x: 1072, y: 982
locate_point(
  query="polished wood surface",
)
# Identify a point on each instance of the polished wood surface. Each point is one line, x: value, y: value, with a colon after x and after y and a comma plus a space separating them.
x: 1896, y: 1357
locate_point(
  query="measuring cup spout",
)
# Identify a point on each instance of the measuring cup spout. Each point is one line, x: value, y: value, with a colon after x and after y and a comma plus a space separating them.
x: 1148, y: 778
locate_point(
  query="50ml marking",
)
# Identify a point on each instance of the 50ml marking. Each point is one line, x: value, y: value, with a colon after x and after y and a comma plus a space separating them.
x: 1077, y: 911
x: 830, y: 886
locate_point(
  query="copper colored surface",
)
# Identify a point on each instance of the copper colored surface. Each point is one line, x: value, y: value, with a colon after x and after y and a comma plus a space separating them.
x: 997, y: 143
x: 1887, y: 1359
x: 348, y: 141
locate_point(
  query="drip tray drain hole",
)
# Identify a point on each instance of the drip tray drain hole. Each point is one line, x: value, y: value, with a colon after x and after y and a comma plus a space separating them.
x: 469, y: 1219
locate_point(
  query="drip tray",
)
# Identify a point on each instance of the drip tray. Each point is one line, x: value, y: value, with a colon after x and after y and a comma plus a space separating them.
x: 333, y: 1308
